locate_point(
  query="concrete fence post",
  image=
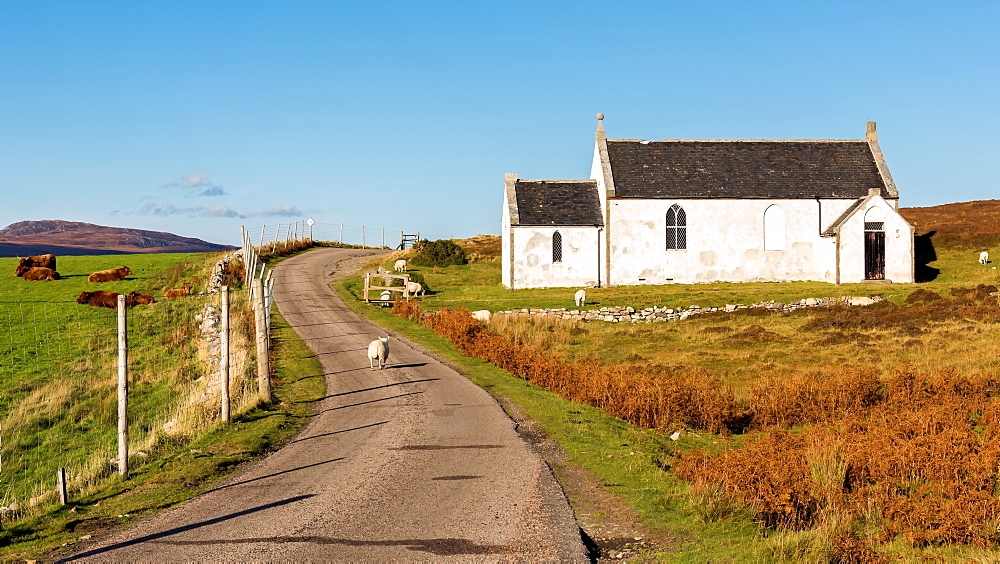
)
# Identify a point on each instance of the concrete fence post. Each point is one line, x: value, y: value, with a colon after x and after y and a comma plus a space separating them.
x: 122, y: 388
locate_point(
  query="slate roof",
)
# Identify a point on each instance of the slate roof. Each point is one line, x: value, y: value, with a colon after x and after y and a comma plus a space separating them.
x: 743, y: 169
x: 832, y: 230
x: 558, y: 202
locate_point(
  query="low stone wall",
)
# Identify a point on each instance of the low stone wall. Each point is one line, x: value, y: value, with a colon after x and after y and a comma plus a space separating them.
x: 657, y: 314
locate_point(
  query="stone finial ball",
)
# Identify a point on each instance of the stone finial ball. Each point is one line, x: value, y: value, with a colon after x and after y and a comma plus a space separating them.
x: 600, y: 116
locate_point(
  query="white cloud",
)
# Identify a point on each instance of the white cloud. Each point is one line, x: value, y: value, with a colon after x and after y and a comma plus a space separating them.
x: 197, y: 180
x: 285, y: 210
x: 213, y: 191
x: 198, y: 184
x: 193, y: 211
x: 221, y: 211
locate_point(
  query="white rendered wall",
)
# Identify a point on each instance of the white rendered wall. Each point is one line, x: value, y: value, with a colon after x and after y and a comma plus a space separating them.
x: 505, y: 270
x: 898, y: 244
x: 533, y: 266
x: 725, y: 242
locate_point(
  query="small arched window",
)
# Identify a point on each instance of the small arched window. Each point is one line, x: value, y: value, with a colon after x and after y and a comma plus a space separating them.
x: 557, y: 247
x: 875, y: 220
x: 676, y: 228
x: 774, y: 228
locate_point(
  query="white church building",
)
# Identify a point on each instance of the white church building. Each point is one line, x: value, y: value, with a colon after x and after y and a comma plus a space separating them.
x: 687, y: 211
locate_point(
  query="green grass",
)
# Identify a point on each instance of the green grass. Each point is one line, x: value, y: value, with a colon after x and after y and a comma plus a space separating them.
x: 58, y: 369
x: 177, y: 470
x: 151, y: 274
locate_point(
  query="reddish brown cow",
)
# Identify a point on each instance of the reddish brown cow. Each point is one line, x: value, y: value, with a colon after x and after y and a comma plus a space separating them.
x: 40, y: 273
x: 135, y: 298
x: 112, y: 275
x: 103, y: 298
x: 185, y: 291
x: 27, y: 263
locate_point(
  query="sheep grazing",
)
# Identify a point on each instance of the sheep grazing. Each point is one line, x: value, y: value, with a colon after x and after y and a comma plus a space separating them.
x: 111, y: 275
x: 385, y: 296
x: 179, y: 293
x: 400, y: 265
x: 414, y: 288
x: 378, y: 350
x: 581, y: 297
x: 482, y: 315
x: 40, y: 273
x: 984, y: 257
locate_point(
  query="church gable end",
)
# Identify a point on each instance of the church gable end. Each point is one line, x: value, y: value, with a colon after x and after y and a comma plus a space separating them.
x: 744, y: 169
x: 558, y: 202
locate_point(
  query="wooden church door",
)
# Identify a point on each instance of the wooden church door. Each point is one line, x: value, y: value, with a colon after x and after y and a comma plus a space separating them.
x: 874, y: 255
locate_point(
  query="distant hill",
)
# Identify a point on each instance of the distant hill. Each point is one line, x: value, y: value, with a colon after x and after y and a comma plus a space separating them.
x: 971, y: 225
x: 76, y: 238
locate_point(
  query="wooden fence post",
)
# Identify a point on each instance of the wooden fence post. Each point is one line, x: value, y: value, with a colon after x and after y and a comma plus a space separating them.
x: 61, y: 484
x: 224, y: 365
x: 263, y: 362
x: 122, y: 388
x: 341, y: 233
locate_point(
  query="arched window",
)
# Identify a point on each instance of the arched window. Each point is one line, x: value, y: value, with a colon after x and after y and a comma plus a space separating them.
x: 676, y: 228
x: 557, y: 247
x: 875, y: 220
x: 774, y: 228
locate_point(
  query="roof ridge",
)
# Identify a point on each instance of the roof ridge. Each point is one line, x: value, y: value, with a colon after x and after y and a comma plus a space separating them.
x: 741, y: 140
x: 584, y: 180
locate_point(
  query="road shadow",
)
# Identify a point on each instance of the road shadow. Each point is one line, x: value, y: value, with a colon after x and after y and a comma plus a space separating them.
x: 309, y: 438
x: 370, y: 401
x: 283, y: 472
x: 185, y: 528
x: 378, y: 387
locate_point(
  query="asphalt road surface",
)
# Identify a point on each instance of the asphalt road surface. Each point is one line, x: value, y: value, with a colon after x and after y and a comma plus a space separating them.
x: 412, y: 462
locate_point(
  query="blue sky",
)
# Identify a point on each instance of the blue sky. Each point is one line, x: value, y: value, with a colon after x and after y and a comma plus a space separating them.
x: 199, y: 117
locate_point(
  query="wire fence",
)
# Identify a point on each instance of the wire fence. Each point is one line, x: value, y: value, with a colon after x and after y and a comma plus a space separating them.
x: 307, y: 229
x: 59, y: 386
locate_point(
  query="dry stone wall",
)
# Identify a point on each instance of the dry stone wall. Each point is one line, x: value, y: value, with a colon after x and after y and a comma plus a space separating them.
x: 630, y: 314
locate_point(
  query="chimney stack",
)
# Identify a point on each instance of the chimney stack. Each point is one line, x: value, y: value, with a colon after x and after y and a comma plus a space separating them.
x: 871, y: 134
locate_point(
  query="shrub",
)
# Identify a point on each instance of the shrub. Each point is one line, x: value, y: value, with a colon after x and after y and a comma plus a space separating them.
x: 439, y: 253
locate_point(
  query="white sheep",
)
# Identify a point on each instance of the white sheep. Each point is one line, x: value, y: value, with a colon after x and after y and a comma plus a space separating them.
x: 481, y: 315
x: 378, y: 350
x: 581, y: 297
x: 414, y: 288
x: 386, y: 296
x: 400, y: 265
x: 984, y: 257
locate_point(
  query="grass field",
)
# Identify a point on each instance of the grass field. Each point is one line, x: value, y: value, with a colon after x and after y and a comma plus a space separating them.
x: 167, y: 372
x: 58, y: 369
x: 789, y: 369
x: 151, y: 274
